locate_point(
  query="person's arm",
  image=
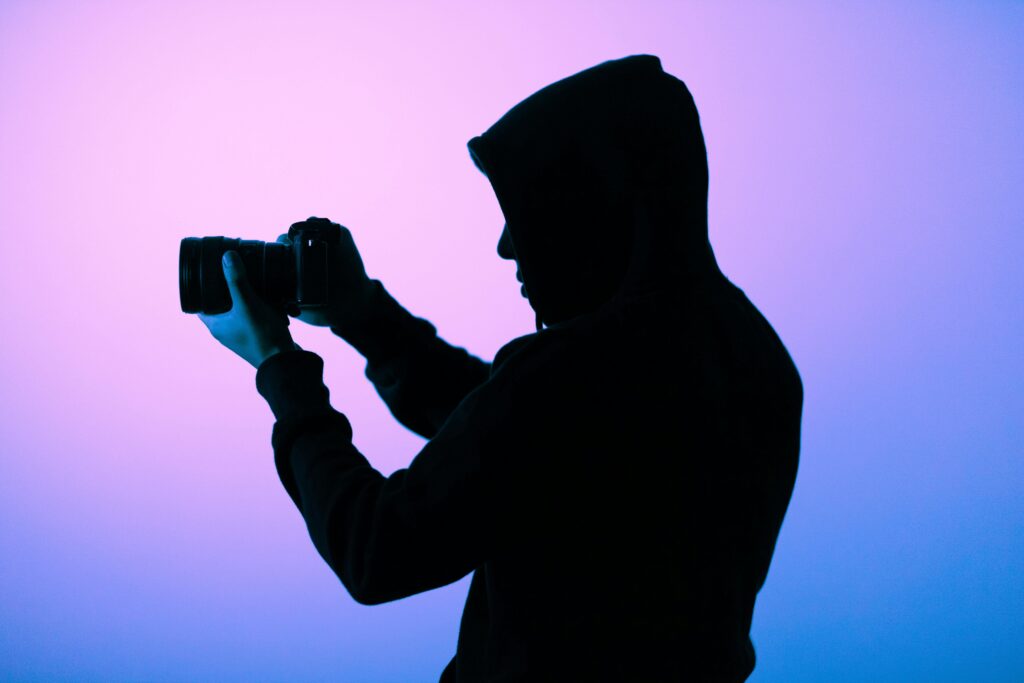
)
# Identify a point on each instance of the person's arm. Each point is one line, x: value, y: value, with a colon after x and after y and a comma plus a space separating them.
x: 420, y: 376
x: 424, y: 526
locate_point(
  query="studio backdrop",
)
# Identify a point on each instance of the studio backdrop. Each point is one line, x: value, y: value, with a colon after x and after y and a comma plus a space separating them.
x: 865, y: 192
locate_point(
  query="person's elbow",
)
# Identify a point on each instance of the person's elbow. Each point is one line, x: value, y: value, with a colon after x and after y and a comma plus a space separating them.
x: 368, y: 585
x: 374, y: 583
x: 367, y: 593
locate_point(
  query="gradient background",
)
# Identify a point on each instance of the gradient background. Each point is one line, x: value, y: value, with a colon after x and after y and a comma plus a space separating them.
x: 866, y: 192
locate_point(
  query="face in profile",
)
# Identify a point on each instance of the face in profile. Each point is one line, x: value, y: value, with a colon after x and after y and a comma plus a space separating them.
x: 571, y: 248
x: 506, y: 252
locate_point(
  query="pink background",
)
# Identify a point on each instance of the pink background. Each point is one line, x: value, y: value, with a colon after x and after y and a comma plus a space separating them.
x: 865, y: 192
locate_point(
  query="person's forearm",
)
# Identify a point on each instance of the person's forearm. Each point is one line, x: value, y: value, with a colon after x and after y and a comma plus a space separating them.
x: 420, y: 376
x: 382, y: 327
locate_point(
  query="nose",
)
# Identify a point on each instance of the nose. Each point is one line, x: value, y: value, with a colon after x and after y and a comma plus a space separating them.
x: 505, y: 250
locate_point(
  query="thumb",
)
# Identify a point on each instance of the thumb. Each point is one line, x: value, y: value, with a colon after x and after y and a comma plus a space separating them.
x: 234, y: 273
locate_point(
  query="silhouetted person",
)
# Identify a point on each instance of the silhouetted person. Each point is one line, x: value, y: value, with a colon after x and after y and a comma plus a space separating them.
x: 615, y: 481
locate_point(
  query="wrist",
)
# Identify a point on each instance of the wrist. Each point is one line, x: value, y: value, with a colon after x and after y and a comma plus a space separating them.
x: 276, y: 349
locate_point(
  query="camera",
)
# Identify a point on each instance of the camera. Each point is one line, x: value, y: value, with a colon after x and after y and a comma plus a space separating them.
x: 287, y: 276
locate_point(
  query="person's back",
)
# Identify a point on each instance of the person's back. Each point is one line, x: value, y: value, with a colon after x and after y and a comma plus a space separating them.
x: 650, y: 502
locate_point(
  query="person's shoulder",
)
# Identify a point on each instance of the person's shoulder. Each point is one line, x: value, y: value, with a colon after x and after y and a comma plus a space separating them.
x: 510, y: 349
x: 530, y: 349
x: 583, y: 335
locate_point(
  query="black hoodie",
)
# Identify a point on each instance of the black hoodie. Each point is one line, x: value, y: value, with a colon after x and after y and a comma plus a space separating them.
x: 616, y: 481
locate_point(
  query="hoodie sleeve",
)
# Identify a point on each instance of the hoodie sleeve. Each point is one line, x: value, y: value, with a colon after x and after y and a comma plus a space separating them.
x: 420, y: 376
x: 385, y: 538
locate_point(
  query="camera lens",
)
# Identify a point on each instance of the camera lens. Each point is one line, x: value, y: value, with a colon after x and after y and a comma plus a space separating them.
x: 269, y: 267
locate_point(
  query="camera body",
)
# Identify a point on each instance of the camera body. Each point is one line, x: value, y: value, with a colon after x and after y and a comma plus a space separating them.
x: 285, y: 275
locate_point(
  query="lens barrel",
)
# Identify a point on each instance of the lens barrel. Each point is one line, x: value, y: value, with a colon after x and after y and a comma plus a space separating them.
x: 269, y: 267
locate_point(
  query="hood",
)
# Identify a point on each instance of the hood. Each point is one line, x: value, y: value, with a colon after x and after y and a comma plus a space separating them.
x: 602, y: 178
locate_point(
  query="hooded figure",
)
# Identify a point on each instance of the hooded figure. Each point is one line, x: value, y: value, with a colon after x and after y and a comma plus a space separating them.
x: 616, y: 481
x: 603, y: 179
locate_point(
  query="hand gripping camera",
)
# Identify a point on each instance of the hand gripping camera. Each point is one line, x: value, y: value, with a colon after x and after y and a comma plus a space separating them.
x: 287, y: 276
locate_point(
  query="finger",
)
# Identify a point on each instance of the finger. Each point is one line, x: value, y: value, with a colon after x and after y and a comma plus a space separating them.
x: 284, y: 238
x: 234, y: 273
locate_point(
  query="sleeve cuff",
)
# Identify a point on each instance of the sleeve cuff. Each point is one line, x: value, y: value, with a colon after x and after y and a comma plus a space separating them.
x: 292, y: 383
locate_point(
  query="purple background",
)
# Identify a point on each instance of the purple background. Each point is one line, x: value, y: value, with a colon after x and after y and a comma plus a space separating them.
x: 866, y: 175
